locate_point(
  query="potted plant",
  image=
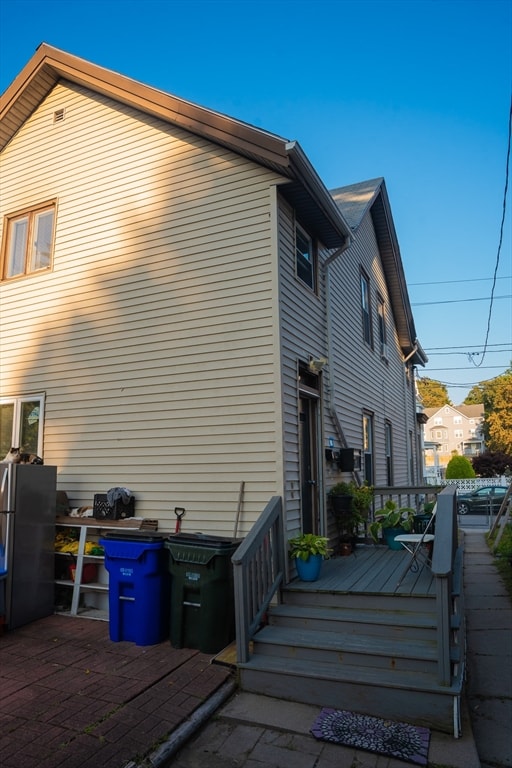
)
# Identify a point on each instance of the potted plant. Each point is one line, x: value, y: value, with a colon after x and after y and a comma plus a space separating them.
x: 390, y: 522
x: 350, y: 504
x: 362, y: 498
x: 308, y: 550
x: 342, y: 498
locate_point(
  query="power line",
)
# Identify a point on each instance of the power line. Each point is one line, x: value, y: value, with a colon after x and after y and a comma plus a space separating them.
x: 469, y: 346
x: 459, y: 301
x: 504, y: 208
x: 489, y: 351
x: 467, y: 280
x: 469, y: 368
x: 458, y: 384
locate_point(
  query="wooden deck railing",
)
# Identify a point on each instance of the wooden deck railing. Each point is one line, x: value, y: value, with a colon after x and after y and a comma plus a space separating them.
x: 447, y: 571
x: 446, y: 568
x: 258, y: 571
x: 405, y: 496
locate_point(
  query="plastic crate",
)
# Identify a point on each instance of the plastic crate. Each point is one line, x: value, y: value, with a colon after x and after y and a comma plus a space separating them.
x: 103, y: 511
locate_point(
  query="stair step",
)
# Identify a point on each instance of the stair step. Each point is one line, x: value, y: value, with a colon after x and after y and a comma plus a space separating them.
x: 355, y: 620
x: 294, y: 594
x: 362, y: 675
x: 406, y: 696
x: 342, y: 648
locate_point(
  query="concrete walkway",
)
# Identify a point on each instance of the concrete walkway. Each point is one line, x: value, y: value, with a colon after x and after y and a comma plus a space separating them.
x: 489, y: 633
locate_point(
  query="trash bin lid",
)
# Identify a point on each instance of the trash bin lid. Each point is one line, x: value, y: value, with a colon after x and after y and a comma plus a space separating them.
x: 199, y: 548
x: 204, y: 540
x: 145, y: 537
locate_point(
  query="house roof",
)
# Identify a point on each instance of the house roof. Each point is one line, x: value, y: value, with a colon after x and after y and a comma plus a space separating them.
x: 475, y: 411
x: 354, y: 202
x: 305, y: 190
x: 355, y: 199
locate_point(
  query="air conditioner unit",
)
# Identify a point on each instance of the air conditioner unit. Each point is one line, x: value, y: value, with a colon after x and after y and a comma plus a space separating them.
x: 384, y: 350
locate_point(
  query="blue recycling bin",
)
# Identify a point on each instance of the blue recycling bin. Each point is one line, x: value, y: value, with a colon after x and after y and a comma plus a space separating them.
x: 139, y: 585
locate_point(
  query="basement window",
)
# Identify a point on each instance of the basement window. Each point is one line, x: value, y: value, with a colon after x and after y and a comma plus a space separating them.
x: 28, y: 241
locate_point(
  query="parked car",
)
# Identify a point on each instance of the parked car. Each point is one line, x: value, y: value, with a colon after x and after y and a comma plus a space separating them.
x: 486, y: 500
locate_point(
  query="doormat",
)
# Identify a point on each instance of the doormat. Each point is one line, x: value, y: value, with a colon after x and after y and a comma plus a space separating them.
x: 385, y: 737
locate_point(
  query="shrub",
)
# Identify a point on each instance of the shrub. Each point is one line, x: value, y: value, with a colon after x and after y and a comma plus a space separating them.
x: 459, y: 467
x: 492, y: 463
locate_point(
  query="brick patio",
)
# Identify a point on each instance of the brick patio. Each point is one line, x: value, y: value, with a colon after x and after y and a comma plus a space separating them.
x: 71, y: 697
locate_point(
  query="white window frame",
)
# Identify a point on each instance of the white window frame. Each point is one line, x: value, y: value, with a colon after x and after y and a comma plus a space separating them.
x: 17, y: 403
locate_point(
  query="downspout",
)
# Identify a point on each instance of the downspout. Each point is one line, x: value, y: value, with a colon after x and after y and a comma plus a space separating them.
x: 409, y: 447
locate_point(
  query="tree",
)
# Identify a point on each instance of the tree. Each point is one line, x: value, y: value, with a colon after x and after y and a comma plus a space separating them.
x: 433, y: 393
x: 492, y: 464
x: 496, y: 396
x: 459, y: 467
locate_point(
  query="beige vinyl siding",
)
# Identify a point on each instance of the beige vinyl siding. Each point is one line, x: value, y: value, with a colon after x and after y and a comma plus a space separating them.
x: 363, y: 381
x: 153, y: 337
x: 303, y: 336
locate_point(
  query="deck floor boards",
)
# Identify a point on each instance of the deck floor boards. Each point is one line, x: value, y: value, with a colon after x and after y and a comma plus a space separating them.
x: 371, y: 570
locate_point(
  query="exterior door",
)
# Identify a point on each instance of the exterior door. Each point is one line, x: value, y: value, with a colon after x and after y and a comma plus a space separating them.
x: 308, y: 463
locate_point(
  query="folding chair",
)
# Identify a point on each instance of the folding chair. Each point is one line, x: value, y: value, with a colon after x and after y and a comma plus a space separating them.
x: 419, y: 546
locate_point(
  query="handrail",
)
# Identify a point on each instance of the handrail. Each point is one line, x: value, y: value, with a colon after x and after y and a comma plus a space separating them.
x: 258, y: 570
x: 443, y: 564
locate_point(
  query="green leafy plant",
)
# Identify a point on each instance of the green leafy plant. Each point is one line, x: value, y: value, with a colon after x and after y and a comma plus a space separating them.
x: 308, y: 544
x: 350, y: 504
x: 392, y: 516
x: 363, y: 498
x: 458, y: 468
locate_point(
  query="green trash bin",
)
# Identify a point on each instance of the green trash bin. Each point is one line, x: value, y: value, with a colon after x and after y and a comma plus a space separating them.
x: 202, y: 599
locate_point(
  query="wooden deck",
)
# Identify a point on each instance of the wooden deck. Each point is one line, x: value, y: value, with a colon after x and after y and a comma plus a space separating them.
x: 371, y: 569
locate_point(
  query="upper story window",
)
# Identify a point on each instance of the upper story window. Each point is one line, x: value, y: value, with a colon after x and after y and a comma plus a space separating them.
x: 438, y: 420
x: 382, y: 328
x: 457, y: 419
x: 365, y: 308
x: 28, y: 241
x: 305, y: 257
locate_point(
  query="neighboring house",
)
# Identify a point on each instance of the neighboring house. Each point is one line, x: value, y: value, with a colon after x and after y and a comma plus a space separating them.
x: 452, y: 429
x: 185, y: 308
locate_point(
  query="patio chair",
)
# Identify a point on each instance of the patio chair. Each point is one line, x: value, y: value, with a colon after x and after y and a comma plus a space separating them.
x: 418, y: 546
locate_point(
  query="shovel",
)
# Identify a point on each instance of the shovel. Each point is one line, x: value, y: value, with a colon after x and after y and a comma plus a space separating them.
x: 179, y: 512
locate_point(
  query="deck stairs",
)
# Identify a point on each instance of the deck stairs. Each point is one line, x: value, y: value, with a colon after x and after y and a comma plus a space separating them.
x: 367, y: 649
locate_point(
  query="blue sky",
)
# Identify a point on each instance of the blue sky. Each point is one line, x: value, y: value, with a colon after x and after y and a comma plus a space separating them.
x: 417, y: 91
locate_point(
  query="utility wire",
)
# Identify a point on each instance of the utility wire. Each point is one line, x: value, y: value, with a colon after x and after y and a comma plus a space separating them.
x: 469, y: 346
x: 467, y: 280
x: 459, y: 301
x: 477, y: 365
x: 466, y: 354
